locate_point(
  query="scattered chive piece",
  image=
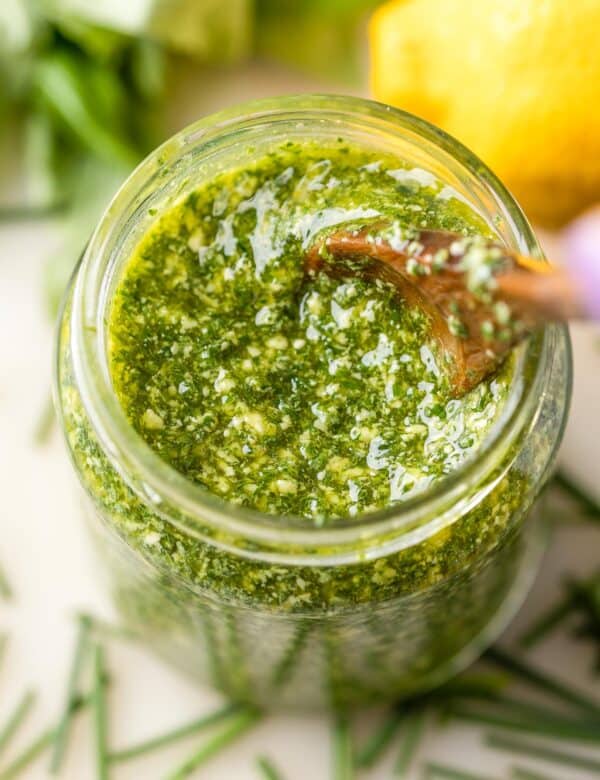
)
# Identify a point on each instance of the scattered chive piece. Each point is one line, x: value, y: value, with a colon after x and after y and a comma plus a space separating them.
x: 536, y: 750
x: 547, y: 622
x: 103, y: 629
x: 16, y: 718
x: 45, y: 422
x: 555, y: 726
x: 5, y: 589
x: 413, y: 730
x: 542, y: 681
x: 62, y: 731
x: 589, y: 504
x: 99, y: 706
x: 235, y: 728
x: 520, y: 773
x: 268, y: 769
x: 3, y: 643
x: 473, y: 685
x: 342, y: 749
x: 175, y: 734
x: 379, y: 740
x: 433, y: 770
x: 32, y: 211
x: 28, y: 755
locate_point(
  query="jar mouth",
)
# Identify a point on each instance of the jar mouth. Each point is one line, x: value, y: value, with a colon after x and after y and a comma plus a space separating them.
x: 158, y: 484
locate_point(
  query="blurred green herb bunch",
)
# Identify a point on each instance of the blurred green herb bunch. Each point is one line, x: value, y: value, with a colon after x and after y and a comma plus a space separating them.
x: 83, y: 88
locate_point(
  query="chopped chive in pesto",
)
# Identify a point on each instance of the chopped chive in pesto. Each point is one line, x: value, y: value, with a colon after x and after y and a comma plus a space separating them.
x: 314, y: 397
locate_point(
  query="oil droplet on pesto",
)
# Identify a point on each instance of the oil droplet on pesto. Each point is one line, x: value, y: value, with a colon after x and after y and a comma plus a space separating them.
x: 315, y: 397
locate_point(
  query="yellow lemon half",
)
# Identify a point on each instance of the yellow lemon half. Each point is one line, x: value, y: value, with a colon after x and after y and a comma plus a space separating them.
x: 518, y: 81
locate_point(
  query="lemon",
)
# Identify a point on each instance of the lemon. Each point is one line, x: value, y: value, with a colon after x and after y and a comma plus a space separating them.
x: 517, y: 81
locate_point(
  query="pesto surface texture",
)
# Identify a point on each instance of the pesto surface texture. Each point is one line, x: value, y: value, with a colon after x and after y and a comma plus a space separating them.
x: 315, y: 397
x: 308, y: 396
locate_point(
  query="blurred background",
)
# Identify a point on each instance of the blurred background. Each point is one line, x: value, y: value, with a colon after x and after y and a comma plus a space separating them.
x: 87, y: 89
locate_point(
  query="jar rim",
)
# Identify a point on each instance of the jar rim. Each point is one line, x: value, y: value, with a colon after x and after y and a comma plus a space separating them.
x: 190, y: 506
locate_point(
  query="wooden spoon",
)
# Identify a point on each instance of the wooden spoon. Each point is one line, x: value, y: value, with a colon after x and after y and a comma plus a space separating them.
x: 482, y: 298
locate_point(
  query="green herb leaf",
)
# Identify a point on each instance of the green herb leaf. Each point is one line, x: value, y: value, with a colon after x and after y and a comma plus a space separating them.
x: 60, y: 81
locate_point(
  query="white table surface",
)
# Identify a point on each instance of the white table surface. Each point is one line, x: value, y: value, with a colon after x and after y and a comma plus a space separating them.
x: 44, y: 547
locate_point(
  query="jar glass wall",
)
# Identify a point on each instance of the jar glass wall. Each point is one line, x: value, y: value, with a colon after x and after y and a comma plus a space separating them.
x: 265, y: 608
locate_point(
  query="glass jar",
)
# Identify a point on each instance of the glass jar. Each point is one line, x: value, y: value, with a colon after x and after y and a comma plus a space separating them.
x: 265, y: 608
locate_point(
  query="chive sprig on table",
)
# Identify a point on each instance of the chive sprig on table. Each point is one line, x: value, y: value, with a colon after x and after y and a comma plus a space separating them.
x: 476, y: 697
x: 167, y: 738
x: 99, y: 709
x: 6, y: 592
x: 543, y: 752
x: 60, y: 738
x: 342, y: 760
x: 236, y: 726
x: 267, y: 769
x: 16, y: 718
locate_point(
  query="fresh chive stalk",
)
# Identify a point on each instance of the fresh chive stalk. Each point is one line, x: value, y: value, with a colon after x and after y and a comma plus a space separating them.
x: 35, y: 748
x: 547, y: 622
x: 3, y: 645
x: 175, y: 734
x: 45, y: 422
x: 528, y: 719
x: 414, y: 725
x: 434, y: 770
x: 16, y: 718
x: 542, y: 681
x: 520, y: 773
x: 535, y: 750
x: 61, y: 735
x: 234, y: 729
x: 22, y: 212
x: 267, y: 769
x: 5, y: 588
x: 342, y: 768
x: 27, y: 756
x: 587, y: 503
x: 379, y: 740
x: 99, y: 707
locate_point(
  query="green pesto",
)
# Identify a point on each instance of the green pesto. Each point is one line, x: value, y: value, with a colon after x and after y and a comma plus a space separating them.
x: 314, y: 397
